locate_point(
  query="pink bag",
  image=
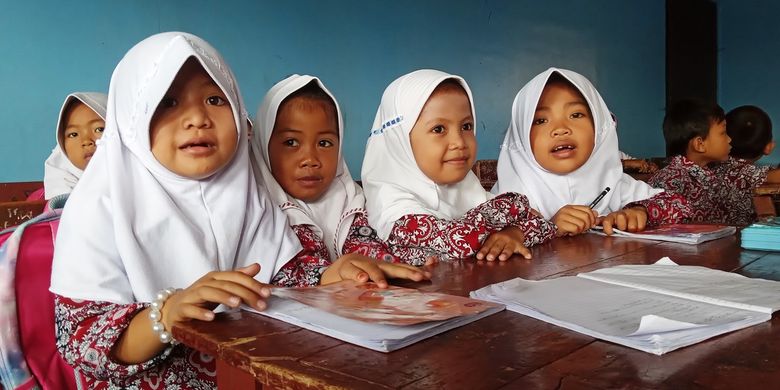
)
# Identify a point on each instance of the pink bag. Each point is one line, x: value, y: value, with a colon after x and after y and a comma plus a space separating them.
x: 27, y: 253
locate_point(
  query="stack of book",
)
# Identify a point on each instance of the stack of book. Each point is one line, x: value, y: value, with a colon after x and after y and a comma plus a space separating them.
x: 764, y: 235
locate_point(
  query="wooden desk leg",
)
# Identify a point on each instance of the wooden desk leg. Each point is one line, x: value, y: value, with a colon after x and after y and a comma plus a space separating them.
x: 229, y: 377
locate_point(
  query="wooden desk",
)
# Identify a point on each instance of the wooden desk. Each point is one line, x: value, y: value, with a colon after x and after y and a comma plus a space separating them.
x: 506, y: 350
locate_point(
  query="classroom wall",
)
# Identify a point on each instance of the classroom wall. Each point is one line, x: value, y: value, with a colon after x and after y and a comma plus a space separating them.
x: 51, y: 48
x: 748, y: 60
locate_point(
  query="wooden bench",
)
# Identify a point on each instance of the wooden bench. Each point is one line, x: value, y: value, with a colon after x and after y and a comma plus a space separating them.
x: 14, y: 213
x: 18, y: 191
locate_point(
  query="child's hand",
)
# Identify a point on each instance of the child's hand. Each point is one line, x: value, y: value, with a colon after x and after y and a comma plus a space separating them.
x: 361, y: 268
x: 503, y: 244
x: 229, y: 288
x: 633, y: 220
x: 574, y: 219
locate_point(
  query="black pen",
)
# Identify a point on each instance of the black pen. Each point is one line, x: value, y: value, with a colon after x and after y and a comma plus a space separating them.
x: 599, y: 198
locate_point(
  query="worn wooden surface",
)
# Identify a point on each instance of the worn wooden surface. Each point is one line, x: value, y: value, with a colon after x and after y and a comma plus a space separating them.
x: 507, y: 350
x: 14, y: 213
x: 18, y: 191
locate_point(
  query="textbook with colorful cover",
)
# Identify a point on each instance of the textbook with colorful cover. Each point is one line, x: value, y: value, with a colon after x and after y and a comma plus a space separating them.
x: 683, y: 233
x: 764, y: 235
x: 379, y: 319
x: 653, y: 308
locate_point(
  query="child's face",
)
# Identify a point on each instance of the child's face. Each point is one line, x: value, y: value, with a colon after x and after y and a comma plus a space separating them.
x: 193, y: 132
x: 443, y: 141
x: 718, y: 143
x: 304, y: 148
x: 562, y: 133
x: 82, y: 127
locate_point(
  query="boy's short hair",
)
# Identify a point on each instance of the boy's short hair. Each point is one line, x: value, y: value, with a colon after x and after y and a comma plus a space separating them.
x: 750, y: 130
x: 686, y: 120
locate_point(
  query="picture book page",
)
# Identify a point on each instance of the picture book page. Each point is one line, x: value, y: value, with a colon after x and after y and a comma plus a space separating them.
x: 393, y: 305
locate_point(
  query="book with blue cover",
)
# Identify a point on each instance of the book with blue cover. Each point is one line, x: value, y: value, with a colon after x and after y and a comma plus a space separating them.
x: 764, y: 235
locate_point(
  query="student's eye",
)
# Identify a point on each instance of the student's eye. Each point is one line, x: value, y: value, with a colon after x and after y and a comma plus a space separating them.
x: 438, y: 129
x: 72, y: 134
x: 216, y: 100
x: 539, y: 121
x: 290, y: 142
x: 467, y: 126
x: 578, y: 115
x: 325, y: 143
x: 168, y: 102
x: 100, y: 129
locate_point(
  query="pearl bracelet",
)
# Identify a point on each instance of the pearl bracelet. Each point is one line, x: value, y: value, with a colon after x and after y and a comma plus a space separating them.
x: 155, y: 315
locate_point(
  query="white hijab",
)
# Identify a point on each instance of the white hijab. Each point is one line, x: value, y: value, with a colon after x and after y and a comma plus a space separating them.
x: 60, y: 175
x: 131, y: 226
x: 331, y: 216
x: 518, y: 170
x: 394, y: 184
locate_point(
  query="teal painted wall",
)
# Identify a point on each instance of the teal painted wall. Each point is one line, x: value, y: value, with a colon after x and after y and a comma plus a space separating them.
x: 749, y: 59
x: 50, y: 48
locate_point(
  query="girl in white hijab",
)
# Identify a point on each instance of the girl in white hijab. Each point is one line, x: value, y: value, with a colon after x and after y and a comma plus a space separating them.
x: 561, y: 150
x: 170, y: 202
x: 79, y: 126
x: 297, y: 155
x: 420, y: 192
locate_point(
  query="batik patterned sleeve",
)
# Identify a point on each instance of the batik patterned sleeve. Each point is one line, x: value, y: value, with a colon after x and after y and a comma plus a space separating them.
x: 362, y: 239
x: 416, y: 237
x: 742, y: 174
x: 87, y: 332
x: 664, y: 208
x: 306, y: 268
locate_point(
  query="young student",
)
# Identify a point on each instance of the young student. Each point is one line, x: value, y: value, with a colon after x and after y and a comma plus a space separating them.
x: 79, y: 126
x: 750, y: 130
x: 297, y: 153
x: 421, y: 195
x: 561, y: 150
x: 171, y: 202
x: 695, y: 134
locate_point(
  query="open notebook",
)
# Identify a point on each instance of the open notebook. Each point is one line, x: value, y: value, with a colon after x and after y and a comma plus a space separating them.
x: 654, y: 308
x: 684, y: 233
x: 379, y: 319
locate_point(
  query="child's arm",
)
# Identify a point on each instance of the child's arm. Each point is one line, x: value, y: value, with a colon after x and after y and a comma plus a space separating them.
x: 362, y: 239
x: 139, y: 343
x: 306, y: 268
x: 312, y: 266
x: 743, y: 176
x: 415, y: 238
x: 773, y: 176
x: 86, y: 333
x: 664, y: 208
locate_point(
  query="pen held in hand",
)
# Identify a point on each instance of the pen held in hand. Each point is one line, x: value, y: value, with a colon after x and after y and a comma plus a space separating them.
x: 599, y: 198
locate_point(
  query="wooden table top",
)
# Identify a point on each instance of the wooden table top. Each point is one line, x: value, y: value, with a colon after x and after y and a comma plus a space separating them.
x: 507, y: 350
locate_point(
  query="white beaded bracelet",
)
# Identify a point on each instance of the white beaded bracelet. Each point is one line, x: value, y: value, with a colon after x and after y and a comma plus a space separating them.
x: 155, y: 315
